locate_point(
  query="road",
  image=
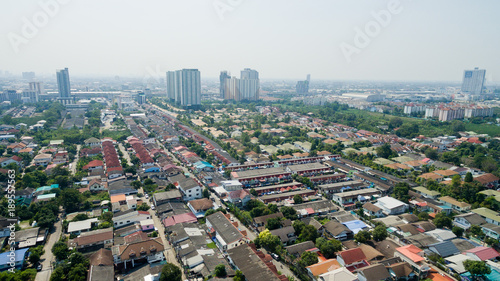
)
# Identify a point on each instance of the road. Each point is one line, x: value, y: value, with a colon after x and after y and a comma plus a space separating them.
x: 169, y: 252
x: 75, y: 161
x: 125, y: 153
x: 47, y: 258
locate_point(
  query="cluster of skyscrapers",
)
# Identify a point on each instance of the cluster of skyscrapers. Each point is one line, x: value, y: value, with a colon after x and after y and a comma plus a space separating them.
x: 184, y: 87
x: 245, y: 88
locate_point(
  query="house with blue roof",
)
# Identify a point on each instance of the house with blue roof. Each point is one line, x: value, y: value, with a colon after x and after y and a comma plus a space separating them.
x: 20, y: 256
x: 355, y: 226
x: 203, y: 166
x: 46, y: 188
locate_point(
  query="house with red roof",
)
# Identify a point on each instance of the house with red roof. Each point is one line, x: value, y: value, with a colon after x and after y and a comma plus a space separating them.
x: 114, y: 172
x: 93, y: 165
x: 352, y: 259
x: 489, y: 180
x: 175, y: 219
x: 482, y: 253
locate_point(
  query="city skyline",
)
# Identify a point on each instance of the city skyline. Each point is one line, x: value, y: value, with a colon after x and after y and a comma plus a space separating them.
x: 401, y: 47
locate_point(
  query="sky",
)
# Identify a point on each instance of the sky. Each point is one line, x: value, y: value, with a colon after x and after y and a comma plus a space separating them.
x: 282, y: 39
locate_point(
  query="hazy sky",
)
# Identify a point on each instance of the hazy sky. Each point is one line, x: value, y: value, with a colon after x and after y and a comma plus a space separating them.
x: 423, y: 40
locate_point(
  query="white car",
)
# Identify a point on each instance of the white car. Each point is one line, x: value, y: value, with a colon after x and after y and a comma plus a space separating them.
x: 153, y: 207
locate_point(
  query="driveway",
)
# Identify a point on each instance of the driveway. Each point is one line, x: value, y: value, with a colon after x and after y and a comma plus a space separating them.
x: 125, y: 153
x: 47, y: 258
x: 75, y: 161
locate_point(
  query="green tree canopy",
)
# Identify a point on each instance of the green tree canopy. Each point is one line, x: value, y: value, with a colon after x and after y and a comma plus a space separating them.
x: 170, y: 272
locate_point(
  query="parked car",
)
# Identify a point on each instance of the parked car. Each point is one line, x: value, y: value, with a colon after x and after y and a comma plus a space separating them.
x: 275, y: 256
x: 39, y: 267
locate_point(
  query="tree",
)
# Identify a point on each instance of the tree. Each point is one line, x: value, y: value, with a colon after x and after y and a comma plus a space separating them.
x: 476, y: 268
x: 70, y: 199
x: 468, y: 177
x: 328, y: 247
x: 220, y: 270
x: 379, y: 233
x: 423, y: 216
x: 77, y: 272
x: 253, y: 192
x: 298, y: 226
x: 458, y: 231
x: 143, y: 207
x: 309, y: 233
x: 206, y: 193
x: 476, y: 230
x: 431, y: 153
x: 238, y: 276
x: 273, y: 223
x: 308, y: 258
x: 395, y: 122
x: 269, y: 241
x: 289, y: 212
x: 36, y: 253
x: 442, y: 220
x: 401, y: 191
x: 170, y: 272
x: 362, y: 236
x: 60, y: 250
x: 384, y: 151
x: 298, y: 199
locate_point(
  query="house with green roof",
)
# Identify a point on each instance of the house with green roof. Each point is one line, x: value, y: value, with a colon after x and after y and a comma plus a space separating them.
x: 432, y: 194
x: 489, y: 215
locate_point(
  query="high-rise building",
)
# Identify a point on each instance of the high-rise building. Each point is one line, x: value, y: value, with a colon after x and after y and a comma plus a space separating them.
x: 171, y: 85
x: 248, y: 73
x: 64, y: 86
x: 29, y: 75
x: 303, y: 86
x: 29, y: 96
x: 187, y: 87
x: 141, y: 98
x: 224, y: 75
x: 473, y: 81
x: 37, y: 87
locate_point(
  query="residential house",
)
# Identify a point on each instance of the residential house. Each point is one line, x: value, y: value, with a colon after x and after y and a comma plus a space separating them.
x: 338, y: 231
x: 95, y: 238
x: 96, y: 185
x: 299, y: 248
x: 94, y: 165
x: 444, y: 249
x: 315, y: 208
x: 227, y: 236
x: 260, y: 222
x: 322, y: 267
x: 42, y: 159
x: 455, y: 204
x: 491, y: 230
x: 349, y: 198
x: 339, y: 274
x: 18, y: 260
x: 147, y: 225
x: 374, y: 272
x: 352, y: 259
x: 253, y: 264
x: 415, y: 257
x: 129, y: 217
x: 92, y: 142
x: 78, y: 227
x: 466, y: 221
x: 391, y: 206
x: 488, y: 180
x: 489, y: 215
x: 482, y: 253
x: 426, y: 192
x: 173, y: 195
x: 286, y: 234
x: 144, y: 251
x: 200, y: 206
x: 240, y: 197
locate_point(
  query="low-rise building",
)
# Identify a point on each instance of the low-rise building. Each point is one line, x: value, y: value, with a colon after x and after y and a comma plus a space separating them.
x: 455, y: 204
x: 227, y: 236
x: 145, y: 251
x: 391, y: 206
x: 129, y: 217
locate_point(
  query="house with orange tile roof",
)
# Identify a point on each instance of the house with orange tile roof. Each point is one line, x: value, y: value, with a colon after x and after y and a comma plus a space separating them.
x: 445, y: 173
x: 322, y: 267
x: 431, y: 176
x: 415, y: 257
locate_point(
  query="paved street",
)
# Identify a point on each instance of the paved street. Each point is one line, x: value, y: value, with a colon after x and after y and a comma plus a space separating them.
x: 169, y: 251
x: 125, y: 154
x: 75, y: 161
x: 47, y: 258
